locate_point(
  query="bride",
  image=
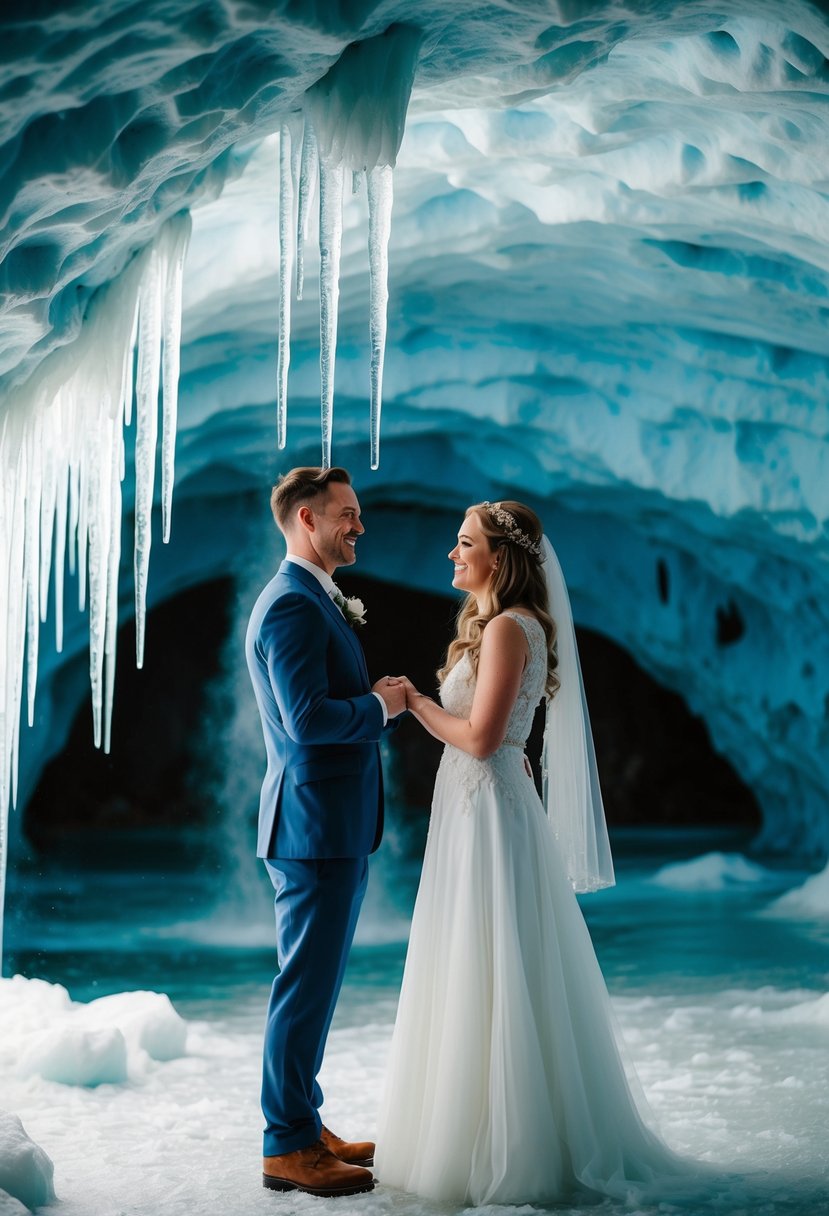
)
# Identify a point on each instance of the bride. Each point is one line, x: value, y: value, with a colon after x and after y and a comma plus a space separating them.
x: 505, y: 1083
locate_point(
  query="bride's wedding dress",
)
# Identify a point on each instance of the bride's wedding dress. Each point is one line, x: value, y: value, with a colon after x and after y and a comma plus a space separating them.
x: 505, y: 1083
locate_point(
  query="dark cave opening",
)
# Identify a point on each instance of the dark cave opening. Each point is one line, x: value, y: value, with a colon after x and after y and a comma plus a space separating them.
x: 657, y: 765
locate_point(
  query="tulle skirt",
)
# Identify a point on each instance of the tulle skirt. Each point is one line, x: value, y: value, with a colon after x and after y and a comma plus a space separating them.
x: 505, y: 1082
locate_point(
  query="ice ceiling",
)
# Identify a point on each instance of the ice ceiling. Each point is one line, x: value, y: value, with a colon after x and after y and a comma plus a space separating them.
x: 609, y: 295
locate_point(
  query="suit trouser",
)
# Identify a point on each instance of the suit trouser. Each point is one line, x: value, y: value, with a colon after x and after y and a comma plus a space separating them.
x: 316, y: 904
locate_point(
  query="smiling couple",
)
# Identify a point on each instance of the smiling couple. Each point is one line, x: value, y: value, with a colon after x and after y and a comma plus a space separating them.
x: 504, y: 1082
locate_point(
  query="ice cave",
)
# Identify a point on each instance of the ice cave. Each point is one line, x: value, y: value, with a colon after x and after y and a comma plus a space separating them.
x: 565, y: 252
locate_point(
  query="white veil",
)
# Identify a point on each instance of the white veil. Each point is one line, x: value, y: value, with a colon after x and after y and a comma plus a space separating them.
x: 571, y: 792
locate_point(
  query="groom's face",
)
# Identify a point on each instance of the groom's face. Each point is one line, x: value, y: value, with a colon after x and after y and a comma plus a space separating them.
x: 337, y: 527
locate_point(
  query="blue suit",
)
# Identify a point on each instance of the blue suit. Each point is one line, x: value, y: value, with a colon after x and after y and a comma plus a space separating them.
x: 320, y: 815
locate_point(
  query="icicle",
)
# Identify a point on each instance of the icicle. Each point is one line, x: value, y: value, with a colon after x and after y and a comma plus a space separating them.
x: 331, y: 234
x: 83, y: 531
x: 48, y: 504
x: 286, y: 250
x: 380, y: 196
x: 113, y: 564
x: 17, y: 596
x: 146, y: 413
x: 307, y: 183
x: 96, y: 437
x: 180, y: 228
x: 355, y: 115
x: 129, y: 366
x: 60, y: 552
x: 31, y: 567
x: 74, y: 510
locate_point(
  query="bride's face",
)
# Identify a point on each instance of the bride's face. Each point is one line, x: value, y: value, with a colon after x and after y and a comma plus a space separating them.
x: 473, y: 558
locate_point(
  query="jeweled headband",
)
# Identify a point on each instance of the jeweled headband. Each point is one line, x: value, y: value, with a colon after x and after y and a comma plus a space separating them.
x: 510, y: 525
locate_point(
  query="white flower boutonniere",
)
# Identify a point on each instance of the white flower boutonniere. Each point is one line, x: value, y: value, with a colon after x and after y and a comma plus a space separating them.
x: 355, y: 611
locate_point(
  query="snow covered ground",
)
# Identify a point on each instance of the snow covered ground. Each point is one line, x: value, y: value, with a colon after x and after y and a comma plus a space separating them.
x: 724, y: 1012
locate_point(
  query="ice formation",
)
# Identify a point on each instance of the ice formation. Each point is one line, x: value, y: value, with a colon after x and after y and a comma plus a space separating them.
x: 62, y: 435
x: 712, y: 872
x: 25, y: 1170
x: 62, y: 462
x: 608, y: 281
x: 809, y: 901
x: 44, y: 1033
x: 351, y: 126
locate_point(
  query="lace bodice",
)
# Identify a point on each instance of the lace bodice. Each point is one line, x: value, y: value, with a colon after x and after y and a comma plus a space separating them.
x: 457, y: 693
x: 458, y: 688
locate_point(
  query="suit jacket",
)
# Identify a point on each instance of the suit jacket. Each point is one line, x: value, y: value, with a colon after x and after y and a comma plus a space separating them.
x: 322, y: 795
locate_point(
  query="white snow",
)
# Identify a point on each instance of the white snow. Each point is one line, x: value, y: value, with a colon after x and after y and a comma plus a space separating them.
x: 712, y: 872
x: 44, y: 1033
x: 724, y: 1085
x: 810, y: 901
x: 25, y: 1169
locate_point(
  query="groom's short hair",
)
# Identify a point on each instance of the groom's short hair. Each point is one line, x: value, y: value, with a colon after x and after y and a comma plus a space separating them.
x: 302, y: 485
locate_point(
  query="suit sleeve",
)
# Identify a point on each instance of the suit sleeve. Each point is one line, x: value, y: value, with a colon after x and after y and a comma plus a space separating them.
x: 290, y: 641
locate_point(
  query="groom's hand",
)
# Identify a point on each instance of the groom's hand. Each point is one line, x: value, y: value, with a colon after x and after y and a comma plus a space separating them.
x: 393, y: 694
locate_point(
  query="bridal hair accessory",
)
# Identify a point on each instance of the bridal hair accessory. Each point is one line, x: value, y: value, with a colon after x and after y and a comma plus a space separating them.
x: 509, y: 523
x: 572, y: 794
x: 353, y: 608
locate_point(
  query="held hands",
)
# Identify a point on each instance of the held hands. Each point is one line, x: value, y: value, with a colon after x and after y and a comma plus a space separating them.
x: 411, y: 692
x: 391, y: 690
x: 398, y: 693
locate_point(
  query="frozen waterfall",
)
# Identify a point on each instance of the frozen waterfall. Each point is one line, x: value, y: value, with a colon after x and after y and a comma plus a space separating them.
x: 62, y: 463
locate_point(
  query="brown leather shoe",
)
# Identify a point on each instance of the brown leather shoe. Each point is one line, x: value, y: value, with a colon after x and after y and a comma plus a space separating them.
x: 316, y: 1171
x: 359, y: 1152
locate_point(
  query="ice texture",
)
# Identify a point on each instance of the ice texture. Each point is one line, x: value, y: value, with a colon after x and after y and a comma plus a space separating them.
x: 353, y: 119
x: 44, y: 1033
x: 809, y: 901
x: 712, y: 872
x: 608, y: 277
x: 732, y: 1076
x: 63, y: 434
x: 25, y: 1169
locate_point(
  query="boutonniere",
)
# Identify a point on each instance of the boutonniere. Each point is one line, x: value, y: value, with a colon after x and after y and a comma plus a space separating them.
x: 353, y: 609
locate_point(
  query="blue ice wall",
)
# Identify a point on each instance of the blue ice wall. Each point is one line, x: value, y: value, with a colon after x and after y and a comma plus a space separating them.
x: 609, y: 285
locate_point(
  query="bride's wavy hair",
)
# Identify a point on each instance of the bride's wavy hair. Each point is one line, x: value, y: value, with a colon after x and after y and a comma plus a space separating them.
x: 518, y: 581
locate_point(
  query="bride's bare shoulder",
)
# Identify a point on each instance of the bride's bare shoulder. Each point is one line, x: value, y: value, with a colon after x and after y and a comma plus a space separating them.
x: 504, y: 632
x: 509, y: 614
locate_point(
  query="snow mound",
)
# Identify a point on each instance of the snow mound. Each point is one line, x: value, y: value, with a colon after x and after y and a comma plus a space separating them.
x: 74, y: 1055
x: 44, y: 1033
x: 9, y: 1206
x: 147, y: 1020
x: 813, y: 1011
x: 711, y: 872
x: 810, y: 901
x: 25, y: 1169
x: 807, y: 1013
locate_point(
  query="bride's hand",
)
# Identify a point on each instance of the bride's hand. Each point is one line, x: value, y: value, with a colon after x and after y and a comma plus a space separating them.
x: 409, y: 689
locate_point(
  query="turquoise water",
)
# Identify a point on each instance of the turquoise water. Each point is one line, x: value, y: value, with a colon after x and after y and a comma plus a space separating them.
x: 157, y: 913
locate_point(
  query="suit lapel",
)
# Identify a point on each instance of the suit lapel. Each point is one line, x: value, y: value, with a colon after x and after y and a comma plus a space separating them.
x: 313, y: 585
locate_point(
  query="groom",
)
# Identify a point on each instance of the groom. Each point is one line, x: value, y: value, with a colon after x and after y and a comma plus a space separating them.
x: 320, y: 814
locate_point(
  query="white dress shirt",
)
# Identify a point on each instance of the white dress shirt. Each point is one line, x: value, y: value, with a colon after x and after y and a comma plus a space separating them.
x: 331, y: 590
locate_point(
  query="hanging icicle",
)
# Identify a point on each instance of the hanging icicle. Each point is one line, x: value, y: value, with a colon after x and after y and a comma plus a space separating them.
x: 61, y: 467
x: 331, y: 237
x: 353, y: 122
x: 307, y: 185
x: 287, y: 143
x: 380, y: 196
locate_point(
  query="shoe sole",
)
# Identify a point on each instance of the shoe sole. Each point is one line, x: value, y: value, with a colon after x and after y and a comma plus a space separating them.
x: 283, y: 1184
